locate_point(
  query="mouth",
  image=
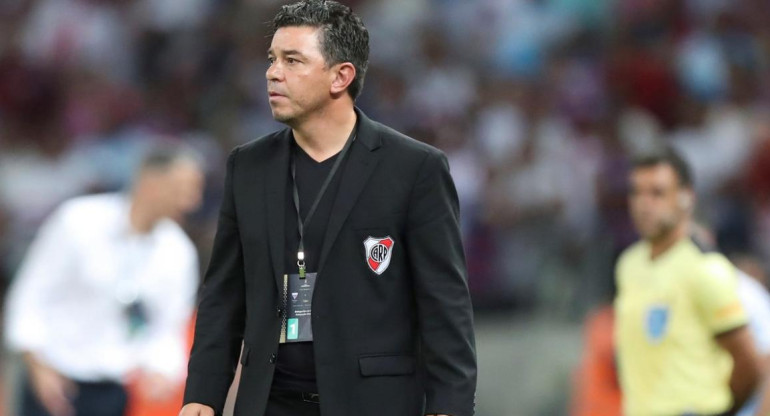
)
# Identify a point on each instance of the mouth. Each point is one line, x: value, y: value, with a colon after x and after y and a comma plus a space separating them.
x: 273, y: 94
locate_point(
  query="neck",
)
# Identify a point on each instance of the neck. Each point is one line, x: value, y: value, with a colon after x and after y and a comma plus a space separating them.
x: 668, y: 240
x: 324, y: 135
x: 141, y: 219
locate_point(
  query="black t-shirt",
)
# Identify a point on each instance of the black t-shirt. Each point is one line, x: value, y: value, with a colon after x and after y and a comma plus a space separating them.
x: 295, y: 368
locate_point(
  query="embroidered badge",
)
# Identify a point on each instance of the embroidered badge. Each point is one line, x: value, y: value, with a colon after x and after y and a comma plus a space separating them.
x: 657, y: 323
x: 378, y: 253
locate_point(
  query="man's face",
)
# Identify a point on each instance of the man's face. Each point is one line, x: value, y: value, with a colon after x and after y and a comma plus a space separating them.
x: 657, y: 201
x: 179, y: 189
x: 298, y: 79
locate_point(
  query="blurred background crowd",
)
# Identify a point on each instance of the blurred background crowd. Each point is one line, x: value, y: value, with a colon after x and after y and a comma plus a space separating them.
x: 539, y: 105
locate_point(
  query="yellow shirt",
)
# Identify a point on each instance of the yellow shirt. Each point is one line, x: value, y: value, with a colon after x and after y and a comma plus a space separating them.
x: 668, y: 311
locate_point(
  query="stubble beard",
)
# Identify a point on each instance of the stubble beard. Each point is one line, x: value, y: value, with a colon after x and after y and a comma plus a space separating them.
x: 665, y: 228
x: 282, y: 117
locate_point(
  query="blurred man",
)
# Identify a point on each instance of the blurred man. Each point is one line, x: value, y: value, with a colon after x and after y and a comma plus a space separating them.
x: 684, y: 347
x: 338, y: 261
x: 105, y: 293
x: 756, y: 302
x: 595, y: 387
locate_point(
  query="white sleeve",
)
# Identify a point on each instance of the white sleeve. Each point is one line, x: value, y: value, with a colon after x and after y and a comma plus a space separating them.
x: 48, y: 261
x: 167, y: 350
x: 756, y: 301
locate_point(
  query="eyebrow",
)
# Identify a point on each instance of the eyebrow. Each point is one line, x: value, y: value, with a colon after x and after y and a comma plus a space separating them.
x: 287, y: 52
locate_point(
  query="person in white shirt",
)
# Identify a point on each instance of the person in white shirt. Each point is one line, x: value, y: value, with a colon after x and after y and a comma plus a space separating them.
x: 756, y: 300
x: 106, y: 291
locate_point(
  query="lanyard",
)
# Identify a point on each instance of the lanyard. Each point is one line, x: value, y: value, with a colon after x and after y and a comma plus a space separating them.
x: 302, y: 224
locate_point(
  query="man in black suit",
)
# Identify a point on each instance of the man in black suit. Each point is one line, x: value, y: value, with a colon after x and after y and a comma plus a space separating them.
x: 338, y: 261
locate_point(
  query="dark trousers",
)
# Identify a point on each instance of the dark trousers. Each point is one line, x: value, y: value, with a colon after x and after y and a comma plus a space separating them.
x: 93, y: 399
x: 292, y: 404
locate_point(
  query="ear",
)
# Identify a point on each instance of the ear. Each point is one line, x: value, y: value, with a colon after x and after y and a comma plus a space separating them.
x: 344, y: 74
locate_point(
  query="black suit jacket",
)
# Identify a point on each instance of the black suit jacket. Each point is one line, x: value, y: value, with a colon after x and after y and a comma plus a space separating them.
x: 396, y: 344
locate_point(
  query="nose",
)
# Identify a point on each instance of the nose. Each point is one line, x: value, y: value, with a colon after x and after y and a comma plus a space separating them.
x: 273, y: 72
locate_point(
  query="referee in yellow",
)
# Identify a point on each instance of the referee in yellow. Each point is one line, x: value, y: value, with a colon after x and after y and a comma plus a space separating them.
x: 682, y: 341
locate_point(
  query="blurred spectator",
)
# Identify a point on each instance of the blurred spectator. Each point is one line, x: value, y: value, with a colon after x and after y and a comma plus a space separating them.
x: 596, y: 387
x: 442, y: 89
x: 111, y: 278
x: 81, y: 34
x: 756, y: 301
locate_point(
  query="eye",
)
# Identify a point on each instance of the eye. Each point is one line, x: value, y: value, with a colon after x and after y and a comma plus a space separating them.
x: 271, y: 60
x: 291, y: 61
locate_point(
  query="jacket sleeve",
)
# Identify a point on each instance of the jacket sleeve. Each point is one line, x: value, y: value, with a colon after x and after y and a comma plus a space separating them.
x: 221, y: 312
x: 445, y: 315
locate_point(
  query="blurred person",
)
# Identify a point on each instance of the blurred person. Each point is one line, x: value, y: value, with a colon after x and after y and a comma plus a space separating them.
x: 684, y: 347
x: 81, y: 34
x: 35, y: 152
x: 756, y: 300
x: 388, y: 330
x: 105, y: 293
x: 757, y: 180
x: 717, y: 142
x: 751, y: 265
x: 524, y: 203
x: 596, y: 388
x: 440, y: 88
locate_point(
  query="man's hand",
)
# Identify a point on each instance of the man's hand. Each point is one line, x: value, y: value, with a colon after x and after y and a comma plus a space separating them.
x: 54, y: 391
x: 196, y: 409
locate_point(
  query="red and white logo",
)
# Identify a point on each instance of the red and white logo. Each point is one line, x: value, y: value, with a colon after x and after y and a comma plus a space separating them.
x: 378, y: 253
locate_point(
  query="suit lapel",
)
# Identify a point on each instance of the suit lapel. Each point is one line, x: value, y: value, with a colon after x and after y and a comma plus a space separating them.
x: 275, y: 196
x: 356, y: 172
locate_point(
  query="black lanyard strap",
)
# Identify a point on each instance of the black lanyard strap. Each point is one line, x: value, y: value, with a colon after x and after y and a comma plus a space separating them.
x: 301, y: 225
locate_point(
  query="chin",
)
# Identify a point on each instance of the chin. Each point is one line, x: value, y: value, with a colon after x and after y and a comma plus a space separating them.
x: 282, y: 117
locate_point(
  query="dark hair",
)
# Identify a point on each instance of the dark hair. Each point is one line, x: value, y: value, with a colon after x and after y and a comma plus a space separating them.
x: 667, y: 156
x: 161, y: 157
x: 344, y: 37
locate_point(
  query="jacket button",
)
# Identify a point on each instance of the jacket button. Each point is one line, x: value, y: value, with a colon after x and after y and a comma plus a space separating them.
x: 273, y: 358
x: 279, y: 312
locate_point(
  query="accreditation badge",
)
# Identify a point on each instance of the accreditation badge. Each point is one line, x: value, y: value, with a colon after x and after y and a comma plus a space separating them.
x: 298, y: 306
x: 137, y: 317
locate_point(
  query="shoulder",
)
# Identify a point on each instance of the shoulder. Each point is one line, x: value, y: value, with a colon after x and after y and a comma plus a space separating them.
x: 633, y: 253
x: 90, y: 209
x: 707, y: 261
x: 404, y: 145
x: 407, y: 156
x: 260, y: 145
x: 708, y: 268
